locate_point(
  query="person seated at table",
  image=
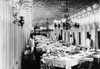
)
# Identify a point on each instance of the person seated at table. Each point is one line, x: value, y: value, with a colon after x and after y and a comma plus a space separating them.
x: 89, y: 42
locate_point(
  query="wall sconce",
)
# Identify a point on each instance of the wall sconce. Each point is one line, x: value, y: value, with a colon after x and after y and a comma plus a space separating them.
x: 55, y: 25
x: 76, y: 25
x: 19, y: 22
x: 16, y: 19
x: 59, y: 26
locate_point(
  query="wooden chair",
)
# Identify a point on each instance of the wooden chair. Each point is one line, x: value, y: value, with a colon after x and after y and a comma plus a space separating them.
x: 85, y: 65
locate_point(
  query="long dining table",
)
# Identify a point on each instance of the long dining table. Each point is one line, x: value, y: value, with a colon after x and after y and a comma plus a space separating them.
x: 66, y: 62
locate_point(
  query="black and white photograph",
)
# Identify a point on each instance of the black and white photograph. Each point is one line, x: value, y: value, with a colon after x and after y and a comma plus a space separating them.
x: 49, y: 34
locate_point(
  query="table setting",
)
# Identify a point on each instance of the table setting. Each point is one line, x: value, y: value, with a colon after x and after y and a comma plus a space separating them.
x: 63, y: 55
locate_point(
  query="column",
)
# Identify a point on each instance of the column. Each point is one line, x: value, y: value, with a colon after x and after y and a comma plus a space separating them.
x: 96, y: 36
x: 84, y: 35
x: 66, y: 37
x: 77, y: 37
x: 93, y: 36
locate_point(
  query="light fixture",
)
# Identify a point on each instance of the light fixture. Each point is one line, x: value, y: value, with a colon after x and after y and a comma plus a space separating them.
x: 19, y: 22
x: 57, y: 24
x: 66, y: 22
x: 76, y: 25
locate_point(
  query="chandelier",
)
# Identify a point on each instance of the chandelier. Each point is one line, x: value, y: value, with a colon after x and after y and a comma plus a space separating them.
x: 66, y: 21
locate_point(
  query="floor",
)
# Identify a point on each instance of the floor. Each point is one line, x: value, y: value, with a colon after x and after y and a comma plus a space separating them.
x: 28, y: 64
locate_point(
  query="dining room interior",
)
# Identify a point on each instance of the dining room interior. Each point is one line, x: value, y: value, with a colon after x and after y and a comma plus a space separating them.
x: 50, y: 34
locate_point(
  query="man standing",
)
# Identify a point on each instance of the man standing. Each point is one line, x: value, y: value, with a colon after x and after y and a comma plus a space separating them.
x: 89, y: 42
x: 32, y: 43
x: 71, y: 39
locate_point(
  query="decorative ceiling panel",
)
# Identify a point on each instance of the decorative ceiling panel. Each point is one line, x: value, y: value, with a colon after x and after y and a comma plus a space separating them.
x: 55, y: 9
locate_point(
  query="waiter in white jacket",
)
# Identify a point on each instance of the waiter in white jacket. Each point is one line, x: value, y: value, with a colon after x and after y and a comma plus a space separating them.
x: 89, y: 42
x: 32, y: 42
x: 71, y: 39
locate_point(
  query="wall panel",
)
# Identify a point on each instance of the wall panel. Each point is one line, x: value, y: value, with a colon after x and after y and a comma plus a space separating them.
x: 12, y: 38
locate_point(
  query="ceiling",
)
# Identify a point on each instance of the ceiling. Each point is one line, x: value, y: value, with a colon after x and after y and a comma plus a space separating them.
x: 56, y: 9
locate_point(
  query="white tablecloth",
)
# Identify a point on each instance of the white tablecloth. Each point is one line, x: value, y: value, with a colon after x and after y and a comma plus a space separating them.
x: 65, y: 62
x: 62, y: 62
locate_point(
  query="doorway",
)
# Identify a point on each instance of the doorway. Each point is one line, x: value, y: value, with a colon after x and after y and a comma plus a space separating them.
x: 79, y: 38
x: 61, y: 34
x: 87, y: 34
x: 99, y: 39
